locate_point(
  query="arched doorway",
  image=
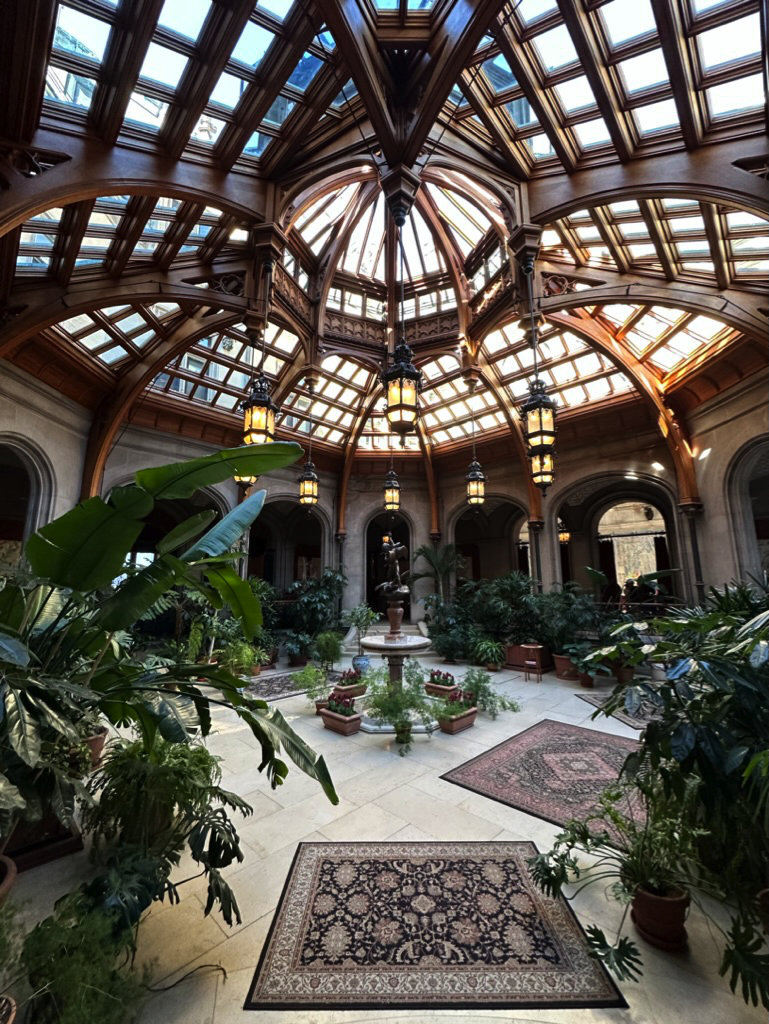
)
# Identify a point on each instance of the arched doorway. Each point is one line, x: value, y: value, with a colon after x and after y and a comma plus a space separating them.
x: 286, y: 544
x: 749, y: 502
x: 632, y: 541
x: 165, y: 516
x: 380, y: 526
x: 485, y: 537
x: 16, y: 507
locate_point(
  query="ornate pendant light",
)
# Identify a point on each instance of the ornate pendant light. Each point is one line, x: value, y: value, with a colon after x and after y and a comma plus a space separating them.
x: 563, y: 532
x: 402, y: 380
x: 392, y: 491
x: 247, y: 481
x: 258, y: 409
x: 475, y: 478
x: 538, y: 411
x: 308, y: 481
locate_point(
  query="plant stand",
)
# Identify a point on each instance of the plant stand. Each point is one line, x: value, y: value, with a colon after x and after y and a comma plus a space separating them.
x: 345, y: 725
x: 33, y: 843
x: 458, y: 723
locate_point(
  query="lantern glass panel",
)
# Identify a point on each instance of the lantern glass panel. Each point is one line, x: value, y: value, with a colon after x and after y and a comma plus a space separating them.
x: 258, y: 424
x: 476, y: 492
x: 392, y: 499
x: 542, y: 470
x: 308, y: 491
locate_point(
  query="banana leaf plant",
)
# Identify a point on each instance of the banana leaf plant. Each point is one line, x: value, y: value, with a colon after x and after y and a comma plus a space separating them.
x: 66, y: 651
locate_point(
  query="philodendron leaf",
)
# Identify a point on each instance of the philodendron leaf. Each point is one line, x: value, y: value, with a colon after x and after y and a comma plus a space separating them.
x: 10, y: 797
x: 13, y: 651
x: 224, y: 534
x: 85, y: 548
x: 182, y: 479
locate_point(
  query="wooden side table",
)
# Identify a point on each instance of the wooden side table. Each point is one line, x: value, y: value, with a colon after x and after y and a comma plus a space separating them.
x: 532, y: 662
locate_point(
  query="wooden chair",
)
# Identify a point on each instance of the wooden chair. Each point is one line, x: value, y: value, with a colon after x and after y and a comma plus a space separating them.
x: 532, y: 664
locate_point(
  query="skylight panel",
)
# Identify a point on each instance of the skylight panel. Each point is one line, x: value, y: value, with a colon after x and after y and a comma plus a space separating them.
x: 592, y: 133
x: 644, y: 71
x: 575, y: 94
x: 345, y: 95
x: 163, y: 65
x: 627, y: 19
x: 656, y: 116
x: 207, y: 130
x: 278, y: 8
x: 184, y: 17
x: 257, y: 144
x: 757, y: 243
x: 499, y: 74
x: 304, y: 72
x: 588, y: 234
x: 555, y: 48
x: 530, y: 10
x: 617, y: 313
x: 52, y: 216
x: 228, y: 90
x: 742, y: 219
x: 80, y: 34
x: 279, y: 111
x: 540, y: 146
x: 626, y: 206
x: 253, y: 44
x: 732, y: 41
x: 521, y: 112
x: 64, y: 87
x: 146, y: 111
x: 634, y: 229
x: 679, y: 224
x: 734, y: 97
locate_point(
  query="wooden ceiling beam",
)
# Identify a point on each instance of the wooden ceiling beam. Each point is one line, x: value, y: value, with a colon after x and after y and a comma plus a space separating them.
x: 682, y: 78
x: 135, y: 219
x: 72, y: 227
x: 122, y: 63
x: 495, y: 125
x: 187, y: 216
x: 28, y: 27
x: 298, y: 128
x: 714, y: 229
x: 577, y: 21
x: 657, y: 229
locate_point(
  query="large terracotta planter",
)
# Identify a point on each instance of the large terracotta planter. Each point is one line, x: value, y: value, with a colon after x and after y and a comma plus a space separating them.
x: 565, y: 667
x: 516, y: 656
x: 585, y: 680
x: 458, y: 723
x: 353, y: 690
x: 255, y: 670
x: 345, y: 725
x: 434, y: 690
x: 660, y: 920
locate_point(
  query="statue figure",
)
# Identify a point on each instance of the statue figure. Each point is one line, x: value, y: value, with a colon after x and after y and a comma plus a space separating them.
x: 393, y: 552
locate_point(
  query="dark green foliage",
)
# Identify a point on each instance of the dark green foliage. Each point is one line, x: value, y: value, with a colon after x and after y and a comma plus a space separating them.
x: 315, y: 602
x: 441, y: 564
x: 328, y: 647
x: 486, y: 697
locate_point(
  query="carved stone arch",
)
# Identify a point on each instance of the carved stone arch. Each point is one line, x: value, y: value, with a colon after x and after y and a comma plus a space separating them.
x: 752, y: 456
x: 319, y: 511
x: 43, y: 487
x: 514, y: 518
x: 460, y: 507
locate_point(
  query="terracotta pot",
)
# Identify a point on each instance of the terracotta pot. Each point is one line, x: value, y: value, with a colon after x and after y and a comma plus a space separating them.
x: 353, y: 690
x: 458, y: 723
x: 492, y: 666
x: 624, y: 674
x: 320, y: 705
x: 565, y: 667
x: 585, y: 680
x: 7, y: 1010
x: 345, y: 725
x: 434, y: 690
x: 8, y: 874
x: 660, y: 920
x: 255, y: 670
x: 96, y: 745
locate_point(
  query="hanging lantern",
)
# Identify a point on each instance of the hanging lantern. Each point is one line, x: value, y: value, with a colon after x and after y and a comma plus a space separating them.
x: 402, y: 382
x: 247, y: 481
x: 542, y: 471
x: 258, y: 412
x: 308, y: 485
x: 476, y: 484
x: 538, y: 415
x: 563, y: 534
x: 392, y: 491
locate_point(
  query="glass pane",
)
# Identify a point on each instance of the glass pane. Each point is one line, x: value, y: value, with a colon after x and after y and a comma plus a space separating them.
x: 207, y: 130
x: 253, y: 44
x: 655, y: 116
x: 185, y: 17
x: 521, y: 113
x: 228, y: 91
x: 644, y: 71
x: 555, y: 48
x: 732, y: 41
x: 627, y: 19
x: 278, y: 8
x: 499, y: 74
x: 530, y: 10
x: 279, y: 110
x: 257, y: 144
x: 592, y: 133
x: 163, y: 65
x: 575, y: 93
x: 79, y: 34
x: 64, y: 87
x: 305, y: 71
x: 540, y: 146
x: 732, y: 97
x: 146, y: 110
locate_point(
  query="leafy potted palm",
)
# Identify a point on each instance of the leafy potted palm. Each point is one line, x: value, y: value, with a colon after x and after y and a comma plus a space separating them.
x: 328, y: 648
x: 625, y: 653
x: 489, y: 652
x: 340, y: 716
x: 361, y: 618
x: 456, y: 712
x: 313, y: 682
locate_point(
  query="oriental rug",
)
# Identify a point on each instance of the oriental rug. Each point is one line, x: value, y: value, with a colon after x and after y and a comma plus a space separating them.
x: 431, y: 925
x: 278, y: 685
x: 553, y: 770
x: 646, y: 713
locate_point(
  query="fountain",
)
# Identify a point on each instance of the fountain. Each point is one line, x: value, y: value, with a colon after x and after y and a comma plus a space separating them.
x: 395, y: 646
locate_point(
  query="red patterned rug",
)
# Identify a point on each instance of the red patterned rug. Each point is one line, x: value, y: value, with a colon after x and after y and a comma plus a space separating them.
x: 423, y: 926
x: 552, y: 770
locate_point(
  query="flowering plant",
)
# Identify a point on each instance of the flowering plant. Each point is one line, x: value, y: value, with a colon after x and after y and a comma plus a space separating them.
x: 349, y: 677
x: 341, y: 705
x: 438, y: 678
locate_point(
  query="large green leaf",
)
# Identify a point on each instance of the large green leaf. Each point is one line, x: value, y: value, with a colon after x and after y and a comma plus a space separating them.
x: 12, y: 605
x: 13, y: 651
x: 182, y: 479
x: 221, y: 537
x: 85, y: 548
x: 139, y: 592
x: 22, y: 728
x: 238, y: 596
x: 304, y: 757
x: 185, y: 531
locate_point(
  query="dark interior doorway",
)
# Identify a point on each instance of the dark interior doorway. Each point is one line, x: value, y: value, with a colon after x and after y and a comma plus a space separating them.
x: 376, y: 573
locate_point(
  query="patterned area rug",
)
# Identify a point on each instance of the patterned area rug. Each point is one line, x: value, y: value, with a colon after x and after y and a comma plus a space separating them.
x: 423, y: 925
x: 273, y: 686
x: 552, y: 770
x: 645, y: 714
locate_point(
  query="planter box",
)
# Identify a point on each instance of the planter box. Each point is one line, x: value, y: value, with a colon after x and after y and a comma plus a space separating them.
x: 565, y: 667
x: 516, y: 656
x: 458, y: 723
x: 353, y: 690
x: 434, y: 690
x: 320, y: 705
x: 345, y: 725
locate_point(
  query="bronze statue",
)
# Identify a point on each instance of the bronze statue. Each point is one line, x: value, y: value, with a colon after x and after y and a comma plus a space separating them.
x: 393, y: 552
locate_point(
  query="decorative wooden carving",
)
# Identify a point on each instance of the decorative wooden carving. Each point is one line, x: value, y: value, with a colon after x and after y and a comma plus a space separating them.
x: 558, y: 284
x: 355, y: 328
x: 30, y: 162
x: 287, y: 289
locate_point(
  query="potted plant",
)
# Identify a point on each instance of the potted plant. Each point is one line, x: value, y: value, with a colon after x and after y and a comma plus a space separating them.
x: 298, y: 647
x: 328, y: 648
x: 489, y: 652
x: 361, y: 618
x: 399, y: 706
x: 440, y: 684
x: 580, y: 655
x: 237, y: 656
x: 649, y: 854
x: 312, y: 680
x: 351, y: 683
x: 259, y: 658
x: 448, y: 624
x: 565, y: 614
x: 487, y: 699
x: 625, y: 653
x: 457, y: 711
x: 340, y: 715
